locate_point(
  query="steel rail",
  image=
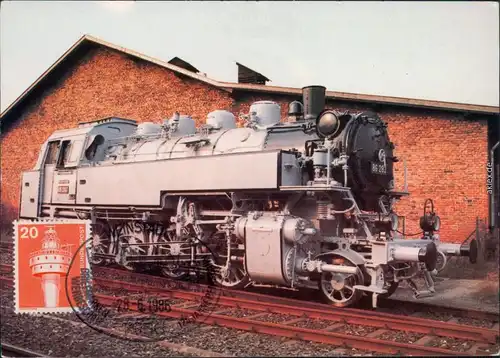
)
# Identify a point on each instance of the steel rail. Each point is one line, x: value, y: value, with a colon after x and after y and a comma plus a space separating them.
x: 7, y: 275
x: 395, y: 322
x: 6, y: 246
x: 7, y: 349
x: 6, y: 268
x: 339, y: 339
x: 8, y: 281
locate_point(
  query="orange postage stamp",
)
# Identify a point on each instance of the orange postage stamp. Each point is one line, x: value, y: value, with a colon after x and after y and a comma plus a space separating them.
x: 47, y: 254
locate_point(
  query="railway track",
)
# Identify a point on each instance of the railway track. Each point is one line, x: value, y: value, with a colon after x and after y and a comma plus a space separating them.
x: 382, y: 323
x: 410, y: 324
x: 299, y: 312
x: 6, y: 268
x: 6, y: 276
x: 9, y: 350
x: 6, y: 246
x: 276, y: 296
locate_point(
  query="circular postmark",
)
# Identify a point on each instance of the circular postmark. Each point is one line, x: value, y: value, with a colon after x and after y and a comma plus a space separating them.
x: 137, y: 311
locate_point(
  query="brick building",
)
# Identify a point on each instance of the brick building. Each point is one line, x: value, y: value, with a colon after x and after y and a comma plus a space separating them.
x: 445, y: 145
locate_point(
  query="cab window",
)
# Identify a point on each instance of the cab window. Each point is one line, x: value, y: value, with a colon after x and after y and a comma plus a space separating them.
x: 91, y: 150
x: 64, y: 154
x: 52, y: 152
x: 76, y: 151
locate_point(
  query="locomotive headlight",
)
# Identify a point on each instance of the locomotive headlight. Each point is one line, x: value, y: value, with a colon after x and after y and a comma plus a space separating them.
x: 327, y: 124
x: 430, y: 222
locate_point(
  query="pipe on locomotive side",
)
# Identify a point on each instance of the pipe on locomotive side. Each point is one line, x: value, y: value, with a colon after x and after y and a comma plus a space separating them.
x: 351, y: 270
x: 493, y: 222
x: 406, y: 254
x: 61, y: 213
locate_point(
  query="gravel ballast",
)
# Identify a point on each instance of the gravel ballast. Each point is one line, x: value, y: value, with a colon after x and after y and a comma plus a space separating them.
x: 61, y: 339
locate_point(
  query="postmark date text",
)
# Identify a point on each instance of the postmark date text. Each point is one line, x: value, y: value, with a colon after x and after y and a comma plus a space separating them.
x: 143, y: 304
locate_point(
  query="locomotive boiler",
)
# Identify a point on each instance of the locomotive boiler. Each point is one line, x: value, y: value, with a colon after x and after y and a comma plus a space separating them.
x: 306, y: 201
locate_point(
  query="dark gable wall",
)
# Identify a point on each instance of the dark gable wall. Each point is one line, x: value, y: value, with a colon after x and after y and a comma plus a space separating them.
x: 446, y: 155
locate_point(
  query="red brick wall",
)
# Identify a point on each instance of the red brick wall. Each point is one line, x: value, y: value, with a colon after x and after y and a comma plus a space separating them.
x: 445, y: 157
x: 104, y: 84
x: 446, y: 161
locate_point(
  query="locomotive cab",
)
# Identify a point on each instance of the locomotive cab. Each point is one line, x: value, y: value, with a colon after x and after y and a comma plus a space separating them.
x: 53, y: 180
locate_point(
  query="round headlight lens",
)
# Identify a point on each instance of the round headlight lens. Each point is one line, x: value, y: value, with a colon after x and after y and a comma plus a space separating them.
x: 327, y: 124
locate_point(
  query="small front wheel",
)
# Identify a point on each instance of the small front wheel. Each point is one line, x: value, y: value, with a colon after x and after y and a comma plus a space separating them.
x: 392, y: 287
x: 338, y: 288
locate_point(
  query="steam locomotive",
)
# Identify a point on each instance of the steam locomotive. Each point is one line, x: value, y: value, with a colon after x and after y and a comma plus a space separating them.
x: 302, y: 202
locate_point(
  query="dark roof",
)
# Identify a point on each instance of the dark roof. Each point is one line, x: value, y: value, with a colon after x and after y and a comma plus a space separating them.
x: 368, y: 98
x: 247, y: 75
x: 179, y: 62
x: 86, y: 42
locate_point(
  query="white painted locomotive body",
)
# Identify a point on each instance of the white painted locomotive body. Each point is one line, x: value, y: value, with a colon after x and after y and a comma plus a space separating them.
x: 265, y: 192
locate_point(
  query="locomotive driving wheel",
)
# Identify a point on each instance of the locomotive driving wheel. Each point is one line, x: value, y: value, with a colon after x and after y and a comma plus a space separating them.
x: 100, y: 244
x: 233, y: 277
x: 171, y: 247
x: 338, y: 288
x: 131, y: 250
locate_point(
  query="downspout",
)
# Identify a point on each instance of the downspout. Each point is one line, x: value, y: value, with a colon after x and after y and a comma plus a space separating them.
x: 492, y: 195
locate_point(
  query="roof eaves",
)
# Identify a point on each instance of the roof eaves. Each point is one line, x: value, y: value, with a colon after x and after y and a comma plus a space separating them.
x: 431, y: 104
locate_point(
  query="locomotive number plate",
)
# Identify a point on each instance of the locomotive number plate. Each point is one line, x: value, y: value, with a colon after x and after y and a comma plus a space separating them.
x: 63, y: 189
x: 379, y: 168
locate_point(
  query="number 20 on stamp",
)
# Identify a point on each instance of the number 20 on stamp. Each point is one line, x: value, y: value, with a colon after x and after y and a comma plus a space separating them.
x: 45, y: 253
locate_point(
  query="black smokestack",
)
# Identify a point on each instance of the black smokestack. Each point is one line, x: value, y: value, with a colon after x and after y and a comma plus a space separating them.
x: 314, y: 101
